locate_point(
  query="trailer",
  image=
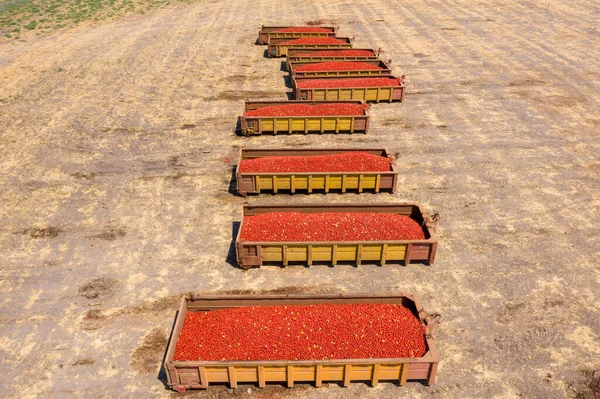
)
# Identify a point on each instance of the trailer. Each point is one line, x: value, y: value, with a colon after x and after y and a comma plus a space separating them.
x: 184, y: 375
x: 308, y: 182
x: 303, y: 55
x: 283, y: 253
x: 383, y: 69
x: 280, y: 49
x: 257, y: 125
x: 272, y: 32
x: 356, y: 92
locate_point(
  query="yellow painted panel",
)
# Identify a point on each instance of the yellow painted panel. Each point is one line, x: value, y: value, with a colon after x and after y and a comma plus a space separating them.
x: 333, y: 373
x: 283, y: 182
x: 335, y: 182
x: 371, y: 252
x: 314, y: 125
x: 217, y: 374
x: 272, y: 253
x: 395, y: 252
x: 329, y: 124
x: 318, y: 182
x: 318, y: 94
x: 275, y: 373
x: 345, y: 123
x: 267, y: 124
x: 389, y: 372
x: 265, y: 183
x: 352, y: 182
x: 297, y: 252
x: 346, y: 252
x: 369, y: 181
x: 282, y: 125
x: 304, y: 373
x: 301, y: 182
x: 321, y: 252
x: 246, y: 374
x: 333, y: 95
x: 297, y: 124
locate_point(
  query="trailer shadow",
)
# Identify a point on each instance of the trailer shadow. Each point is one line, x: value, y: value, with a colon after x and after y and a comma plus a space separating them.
x: 283, y: 67
x: 290, y: 95
x: 232, y: 189
x: 288, y: 81
x: 238, y: 127
x: 162, y: 373
x: 231, y: 257
x: 266, y: 53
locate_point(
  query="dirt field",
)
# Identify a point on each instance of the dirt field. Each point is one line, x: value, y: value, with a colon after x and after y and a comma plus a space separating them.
x: 116, y: 157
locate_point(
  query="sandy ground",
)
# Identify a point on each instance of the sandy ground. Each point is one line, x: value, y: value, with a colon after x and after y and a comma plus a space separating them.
x: 116, y: 153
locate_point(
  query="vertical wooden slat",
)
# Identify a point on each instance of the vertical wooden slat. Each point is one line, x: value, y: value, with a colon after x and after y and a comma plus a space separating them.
x: 261, y: 377
x: 360, y: 183
x: 289, y: 125
x: 383, y: 254
x: 343, y: 183
x: 352, y: 118
x: 310, y: 188
x: 232, y: 379
x: 305, y: 125
x: 337, y: 125
x: 375, y: 378
x: 403, y: 373
x: 274, y: 126
x: 391, y: 93
x: 284, y: 254
x: 432, y: 374
x: 323, y: 119
x: 290, y: 376
x: 358, y: 254
x: 407, y: 254
x: 319, y: 376
x: 309, y: 254
x: 203, y: 377
x: 432, y: 253
x: 377, y: 182
x: 275, y: 184
x: 352, y: 98
x: 326, y: 183
x: 377, y: 95
x: 293, y: 183
x: 334, y: 255
x: 347, y: 371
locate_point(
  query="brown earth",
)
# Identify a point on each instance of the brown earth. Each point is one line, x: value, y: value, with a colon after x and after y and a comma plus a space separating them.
x: 116, y: 153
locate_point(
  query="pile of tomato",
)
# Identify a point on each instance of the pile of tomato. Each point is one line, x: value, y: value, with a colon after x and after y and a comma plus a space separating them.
x: 330, y: 226
x: 302, y: 332
x: 342, y: 162
x: 303, y: 29
x: 337, y: 66
x: 350, y: 82
x: 316, y: 40
x: 329, y: 109
x: 341, y: 53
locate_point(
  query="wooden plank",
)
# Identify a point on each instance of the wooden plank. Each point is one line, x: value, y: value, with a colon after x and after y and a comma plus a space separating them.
x: 358, y: 254
x: 293, y: 183
x: 375, y: 378
x: 337, y: 125
x: 309, y: 255
x: 360, y: 183
x: 232, y: 379
x: 323, y: 124
x: 275, y: 184
x: 377, y: 182
x: 319, y: 376
x: 407, y: 254
x: 353, y: 118
x: 383, y: 253
x: 334, y: 255
x: 347, y: 371
x: 257, y: 183
x: 310, y: 188
x: 403, y: 373
x: 326, y: 183
x: 284, y: 254
x: 377, y: 95
x: 203, y: 377
x: 261, y: 377
x: 343, y: 183
x: 290, y: 376
x: 305, y: 125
